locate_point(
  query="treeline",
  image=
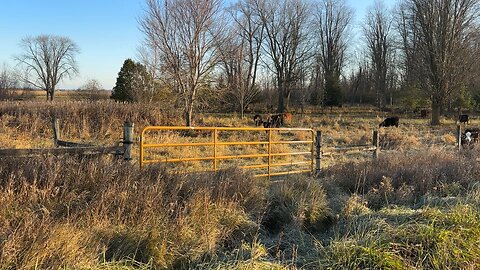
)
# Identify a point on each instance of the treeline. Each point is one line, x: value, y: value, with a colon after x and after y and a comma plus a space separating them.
x: 293, y: 53
x: 14, y: 86
x: 285, y: 55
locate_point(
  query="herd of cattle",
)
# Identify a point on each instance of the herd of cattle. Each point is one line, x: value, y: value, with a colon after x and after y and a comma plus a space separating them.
x: 468, y: 138
x: 272, y: 120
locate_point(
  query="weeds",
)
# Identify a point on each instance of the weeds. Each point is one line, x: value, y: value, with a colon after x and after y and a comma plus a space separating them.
x: 59, y: 213
x: 417, y: 209
x: 91, y: 121
x: 405, y: 178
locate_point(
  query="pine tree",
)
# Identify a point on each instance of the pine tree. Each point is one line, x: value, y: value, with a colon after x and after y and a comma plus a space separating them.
x: 133, y: 83
x: 123, y: 87
x: 333, y: 90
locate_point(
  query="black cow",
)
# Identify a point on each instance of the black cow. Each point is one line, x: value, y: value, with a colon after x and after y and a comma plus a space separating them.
x: 390, y: 122
x: 257, y: 119
x: 470, y: 137
x: 276, y: 120
x: 463, y: 118
x: 273, y: 121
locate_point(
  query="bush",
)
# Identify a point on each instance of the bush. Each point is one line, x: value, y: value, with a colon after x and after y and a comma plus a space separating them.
x: 297, y: 202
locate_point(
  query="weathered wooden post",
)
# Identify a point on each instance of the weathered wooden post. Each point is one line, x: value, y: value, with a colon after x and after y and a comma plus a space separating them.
x: 127, y: 140
x: 56, y: 131
x: 376, y: 143
x: 318, y: 153
x: 458, y: 137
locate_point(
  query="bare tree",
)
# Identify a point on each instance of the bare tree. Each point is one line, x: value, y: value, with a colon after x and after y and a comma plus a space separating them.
x: 437, y: 31
x: 8, y: 78
x: 8, y: 82
x: 288, y: 42
x: 378, y: 35
x: 333, y: 18
x: 92, y: 85
x: 148, y: 55
x: 240, y: 56
x: 316, y: 85
x: 46, y: 60
x: 360, y: 88
x: 185, y: 34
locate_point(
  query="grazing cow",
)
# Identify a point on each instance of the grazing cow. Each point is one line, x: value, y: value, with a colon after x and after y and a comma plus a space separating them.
x: 267, y: 124
x: 463, y: 118
x: 273, y: 121
x: 470, y: 137
x: 389, y: 122
x: 276, y: 120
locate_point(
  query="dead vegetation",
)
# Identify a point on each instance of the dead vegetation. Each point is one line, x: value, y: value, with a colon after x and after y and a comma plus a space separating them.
x: 413, y: 208
x: 74, y: 213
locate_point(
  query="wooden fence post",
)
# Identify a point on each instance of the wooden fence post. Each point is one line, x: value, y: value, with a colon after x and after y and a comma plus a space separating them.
x: 56, y: 131
x: 318, y: 153
x: 376, y: 143
x: 127, y: 140
x: 458, y: 137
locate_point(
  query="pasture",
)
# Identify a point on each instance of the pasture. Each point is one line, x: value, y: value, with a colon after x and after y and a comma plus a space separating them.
x: 415, y: 207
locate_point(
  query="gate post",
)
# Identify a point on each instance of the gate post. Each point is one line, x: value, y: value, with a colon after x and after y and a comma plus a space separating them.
x: 318, y: 153
x: 458, y: 137
x: 376, y: 143
x: 127, y: 141
x: 56, y: 131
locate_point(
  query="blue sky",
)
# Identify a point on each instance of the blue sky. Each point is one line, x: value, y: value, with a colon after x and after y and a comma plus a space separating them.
x: 105, y: 30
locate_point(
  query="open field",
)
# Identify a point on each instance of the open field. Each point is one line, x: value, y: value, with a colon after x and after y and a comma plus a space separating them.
x: 40, y: 95
x: 416, y: 207
x: 28, y: 125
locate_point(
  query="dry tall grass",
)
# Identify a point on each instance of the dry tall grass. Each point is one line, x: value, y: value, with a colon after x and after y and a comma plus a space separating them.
x: 406, y: 178
x: 415, y: 209
x: 60, y: 212
x: 79, y: 213
x: 28, y: 124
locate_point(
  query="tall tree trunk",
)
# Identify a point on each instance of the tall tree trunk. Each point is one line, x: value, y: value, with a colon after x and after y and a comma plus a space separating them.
x: 188, y: 117
x: 242, y: 111
x: 288, y: 92
x: 281, y: 97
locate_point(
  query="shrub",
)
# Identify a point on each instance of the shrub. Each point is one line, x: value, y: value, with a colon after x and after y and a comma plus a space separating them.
x: 297, y: 201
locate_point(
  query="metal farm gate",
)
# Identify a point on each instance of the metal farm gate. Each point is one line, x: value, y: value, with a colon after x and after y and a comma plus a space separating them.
x: 266, y: 151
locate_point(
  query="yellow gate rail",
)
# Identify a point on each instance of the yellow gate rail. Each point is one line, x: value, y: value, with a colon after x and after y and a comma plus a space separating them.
x: 215, y: 143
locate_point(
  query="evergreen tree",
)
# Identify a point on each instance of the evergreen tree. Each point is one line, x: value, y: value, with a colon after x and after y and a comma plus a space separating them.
x: 333, y: 90
x: 123, y: 87
x: 133, y: 83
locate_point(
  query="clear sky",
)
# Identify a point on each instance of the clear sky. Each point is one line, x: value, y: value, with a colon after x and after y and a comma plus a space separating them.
x: 105, y: 30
